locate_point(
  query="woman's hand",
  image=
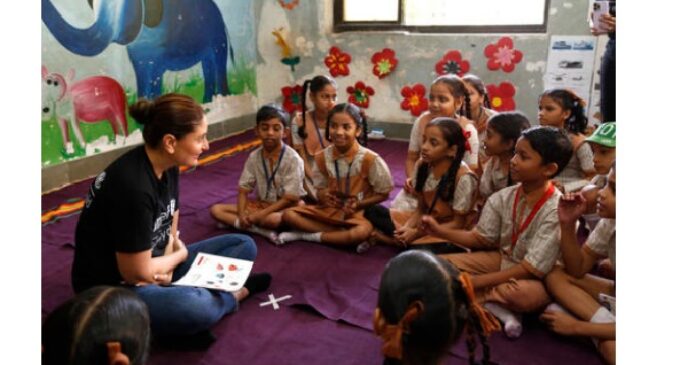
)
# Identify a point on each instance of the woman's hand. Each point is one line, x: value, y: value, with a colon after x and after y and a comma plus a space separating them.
x: 570, y: 207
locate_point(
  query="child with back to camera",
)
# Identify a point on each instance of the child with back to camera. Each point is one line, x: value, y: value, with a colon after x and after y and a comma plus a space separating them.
x: 445, y: 186
x: 562, y: 108
x: 274, y: 170
x: 520, y: 223
x: 448, y: 98
x: 309, y: 127
x: 348, y: 178
x: 502, y: 132
x: 589, y: 300
x: 104, y: 325
x: 424, y: 305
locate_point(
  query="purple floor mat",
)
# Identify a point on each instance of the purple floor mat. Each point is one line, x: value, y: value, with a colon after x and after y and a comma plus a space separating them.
x: 334, y: 290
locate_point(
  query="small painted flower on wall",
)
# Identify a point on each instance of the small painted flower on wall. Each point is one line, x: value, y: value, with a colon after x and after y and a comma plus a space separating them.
x: 337, y: 62
x: 414, y: 99
x: 501, y: 96
x: 502, y: 55
x: 360, y: 94
x: 384, y: 62
x: 452, y: 63
x: 289, y: 4
x: 292, y: 98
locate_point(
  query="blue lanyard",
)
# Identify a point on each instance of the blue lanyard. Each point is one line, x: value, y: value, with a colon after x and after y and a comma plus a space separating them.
x: 318, y: 133
x: 270, y: 179
x: 337, y: 177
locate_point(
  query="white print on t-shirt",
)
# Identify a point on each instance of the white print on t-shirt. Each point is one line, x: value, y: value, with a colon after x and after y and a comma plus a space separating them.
x: 96, y: 185
x: 164, y: 219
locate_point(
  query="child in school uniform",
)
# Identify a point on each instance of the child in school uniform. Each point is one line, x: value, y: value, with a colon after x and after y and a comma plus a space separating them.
x: 424, y: 304
x: 502, y: 132
x: 445, y: 186
x: 520, y: 225
x: 308, y: 129
x: 586, y: 303
x: 603, y: 144
x: 480, y: 111
x: 274, y: 170
x: 562, y: 108
x: 448, y: 98
x: 348, y: 178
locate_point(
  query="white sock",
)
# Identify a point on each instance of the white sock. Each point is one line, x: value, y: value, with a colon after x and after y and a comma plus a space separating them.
x: 602, y: 315
x: 269, y: 234
x: 554, y: 307
x: 364, y: 246
x: 237, y: 224
x: 286, y: 237
x: 512, y: 322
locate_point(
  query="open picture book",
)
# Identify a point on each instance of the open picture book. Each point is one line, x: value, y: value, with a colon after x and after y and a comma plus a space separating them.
x: 216, y: 272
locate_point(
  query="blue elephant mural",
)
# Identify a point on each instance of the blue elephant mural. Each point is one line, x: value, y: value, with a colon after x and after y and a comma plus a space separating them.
x: 160, y: 35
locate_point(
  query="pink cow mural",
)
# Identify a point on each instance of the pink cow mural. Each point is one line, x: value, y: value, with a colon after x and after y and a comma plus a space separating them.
x: 90, y: 100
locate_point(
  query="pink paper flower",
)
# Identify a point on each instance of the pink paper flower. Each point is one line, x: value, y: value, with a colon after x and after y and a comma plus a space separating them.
x: 414, y: 99
x: 337, y: 62
x: 502, y: 55
x: 359, y: 94
x: 502, y: 96
x: 452, y: 63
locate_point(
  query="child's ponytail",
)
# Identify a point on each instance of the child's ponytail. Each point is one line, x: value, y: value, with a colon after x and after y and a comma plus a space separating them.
x: 569, y: 100
x: 302, y: 131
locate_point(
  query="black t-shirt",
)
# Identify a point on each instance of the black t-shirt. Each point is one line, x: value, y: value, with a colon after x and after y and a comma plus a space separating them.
x: 128, y: 209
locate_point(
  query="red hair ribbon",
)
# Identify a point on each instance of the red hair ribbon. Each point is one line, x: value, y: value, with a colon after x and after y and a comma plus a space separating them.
x: 488, y: 322
x: 391, y: 334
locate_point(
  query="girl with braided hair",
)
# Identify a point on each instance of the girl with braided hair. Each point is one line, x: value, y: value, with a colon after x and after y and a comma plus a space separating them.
x: 448, y: 98
x: 348, y: 178
x: 480, y: 110
x: 424, y: 305
x: 562, y: 108
x: 309, y: 127
x: 445, y: 187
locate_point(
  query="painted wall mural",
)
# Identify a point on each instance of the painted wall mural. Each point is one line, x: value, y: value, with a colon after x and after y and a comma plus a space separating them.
x: 122, y: 50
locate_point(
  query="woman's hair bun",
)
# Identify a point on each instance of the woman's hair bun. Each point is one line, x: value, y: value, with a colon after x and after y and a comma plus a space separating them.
x: 142, y: 111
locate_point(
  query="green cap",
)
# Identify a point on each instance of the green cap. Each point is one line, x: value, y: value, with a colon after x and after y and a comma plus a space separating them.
x: 605, y: 135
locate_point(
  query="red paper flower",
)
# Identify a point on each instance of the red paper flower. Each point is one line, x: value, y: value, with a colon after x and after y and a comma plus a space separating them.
x: 292, y: 98
x: 502, y: 55
x: 384, y: 62
x: 359, y: 95
x: 502, y: 96
x: 414, y: 99
x: 338, y: 62
x: 289, y: 4
x: 452, y: 63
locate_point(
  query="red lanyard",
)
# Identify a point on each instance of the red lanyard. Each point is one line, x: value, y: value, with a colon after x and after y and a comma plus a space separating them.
x: 515, y: 233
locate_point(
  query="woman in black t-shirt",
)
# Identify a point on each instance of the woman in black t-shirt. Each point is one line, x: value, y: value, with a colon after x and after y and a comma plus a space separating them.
x: 127, y: 233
